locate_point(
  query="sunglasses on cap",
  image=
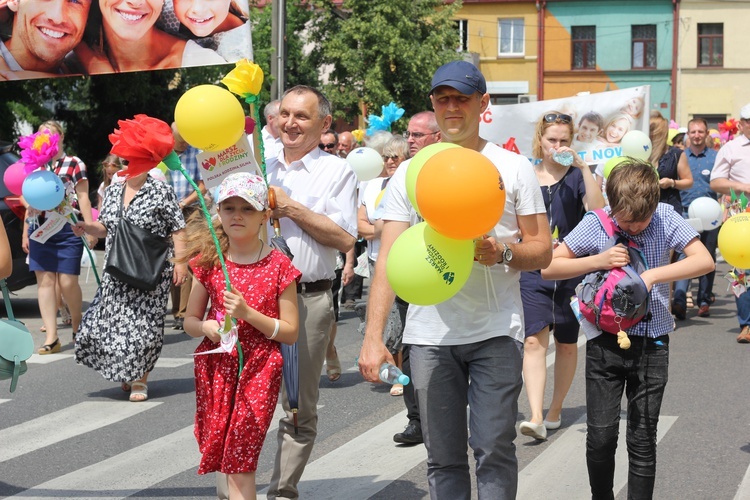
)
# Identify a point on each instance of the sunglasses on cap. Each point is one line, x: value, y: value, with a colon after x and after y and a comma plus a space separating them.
x: 557, y: 117
x: 330, y: 145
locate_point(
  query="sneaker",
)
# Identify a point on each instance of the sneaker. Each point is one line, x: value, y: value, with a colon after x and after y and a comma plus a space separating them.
x: 703, y: 311
x: 411, y: 435
x: 744, y: 336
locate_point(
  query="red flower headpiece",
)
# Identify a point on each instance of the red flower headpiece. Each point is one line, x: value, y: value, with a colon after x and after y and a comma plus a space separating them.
x: 143, y: 141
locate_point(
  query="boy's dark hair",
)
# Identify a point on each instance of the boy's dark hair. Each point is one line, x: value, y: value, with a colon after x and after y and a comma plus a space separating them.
x: 633, y: 190
x: 592, y: 117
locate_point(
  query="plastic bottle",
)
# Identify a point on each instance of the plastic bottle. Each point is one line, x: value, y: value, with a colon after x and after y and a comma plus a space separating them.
x: 392, y: 375
x: 564, y: 158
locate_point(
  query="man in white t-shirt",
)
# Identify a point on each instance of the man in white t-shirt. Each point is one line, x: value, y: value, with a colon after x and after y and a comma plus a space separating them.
x: 475, y: 335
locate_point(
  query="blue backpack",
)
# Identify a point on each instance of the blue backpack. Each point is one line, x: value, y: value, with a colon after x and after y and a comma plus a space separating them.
x: 615, y: 299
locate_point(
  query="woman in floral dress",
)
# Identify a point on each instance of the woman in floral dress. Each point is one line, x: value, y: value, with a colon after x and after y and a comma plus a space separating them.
x: 122, y: 332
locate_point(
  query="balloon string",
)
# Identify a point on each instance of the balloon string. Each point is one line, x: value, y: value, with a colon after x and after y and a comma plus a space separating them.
x: 252, y: 100
x: 173, y: 163
x: 73, y: 217
x: 490, y: 285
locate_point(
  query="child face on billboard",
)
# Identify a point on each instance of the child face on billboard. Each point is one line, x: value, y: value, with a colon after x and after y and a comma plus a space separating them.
x: 201, y: 17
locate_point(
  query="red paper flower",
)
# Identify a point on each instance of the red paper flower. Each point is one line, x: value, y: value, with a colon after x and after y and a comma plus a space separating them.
x: 143, y: 141
x: 38, y: 149
x: 730, y: 127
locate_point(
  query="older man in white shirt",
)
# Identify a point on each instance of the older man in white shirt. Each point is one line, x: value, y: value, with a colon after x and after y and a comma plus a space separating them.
x: 316, y: 205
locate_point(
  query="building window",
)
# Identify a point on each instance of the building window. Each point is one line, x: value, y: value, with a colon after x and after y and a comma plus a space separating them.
x: 710, y: 44
x: 584, y: 47
x: 644, y: 46
x: 462, y: 27
x: 511, y: 34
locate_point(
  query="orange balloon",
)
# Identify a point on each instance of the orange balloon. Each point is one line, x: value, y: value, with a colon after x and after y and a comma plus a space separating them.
x: 460, y: 193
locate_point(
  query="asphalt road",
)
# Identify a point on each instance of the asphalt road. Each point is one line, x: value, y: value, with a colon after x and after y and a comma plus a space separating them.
x: 68, y: 433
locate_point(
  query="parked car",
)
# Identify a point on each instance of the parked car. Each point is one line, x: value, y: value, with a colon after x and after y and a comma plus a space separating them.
x: 12, y: 213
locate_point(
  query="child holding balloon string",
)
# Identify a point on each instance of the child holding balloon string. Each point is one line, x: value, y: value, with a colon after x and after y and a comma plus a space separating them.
x: 233, y: 412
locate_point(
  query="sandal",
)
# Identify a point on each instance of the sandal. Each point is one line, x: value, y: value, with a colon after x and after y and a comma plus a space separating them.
x: 397, y: 390
x: 67, y: 320
x: 138, y: 392
x: 50, y: 348
x: 333, y: 367
x: 125, y: 386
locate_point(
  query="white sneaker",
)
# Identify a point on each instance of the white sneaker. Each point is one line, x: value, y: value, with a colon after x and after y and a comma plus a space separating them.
x: 537, y: 431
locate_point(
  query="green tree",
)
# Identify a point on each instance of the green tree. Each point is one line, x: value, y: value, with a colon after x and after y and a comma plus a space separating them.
x: 380, y: 51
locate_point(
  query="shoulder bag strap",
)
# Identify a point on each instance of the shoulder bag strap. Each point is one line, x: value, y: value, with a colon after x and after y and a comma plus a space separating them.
x: 6, y: 299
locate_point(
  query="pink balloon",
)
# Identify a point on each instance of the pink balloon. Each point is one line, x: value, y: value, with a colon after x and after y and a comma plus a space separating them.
x: 14, y: 177
x: 95, y: 213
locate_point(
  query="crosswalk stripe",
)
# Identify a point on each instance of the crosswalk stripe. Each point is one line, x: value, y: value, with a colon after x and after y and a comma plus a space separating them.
x: 146, y: 465
x: 45, y: 359
x: 72, y: 421
x: 562, y: 467
x: 5, y: 400
x: 372, y: 461
x: 173, y: 362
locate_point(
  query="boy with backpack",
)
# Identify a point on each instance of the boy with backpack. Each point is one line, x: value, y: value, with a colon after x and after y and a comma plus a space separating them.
x: 633, y: 193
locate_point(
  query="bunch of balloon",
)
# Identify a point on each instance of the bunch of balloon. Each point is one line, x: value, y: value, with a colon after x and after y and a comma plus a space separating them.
x: 734, y: 240
x: 461, y: 196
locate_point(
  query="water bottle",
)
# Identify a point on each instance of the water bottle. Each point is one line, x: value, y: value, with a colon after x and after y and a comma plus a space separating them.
x: 392, y: 375
x: 564, y: 158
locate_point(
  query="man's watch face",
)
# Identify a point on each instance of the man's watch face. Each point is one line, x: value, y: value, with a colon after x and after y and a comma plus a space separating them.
x: 507, y: 254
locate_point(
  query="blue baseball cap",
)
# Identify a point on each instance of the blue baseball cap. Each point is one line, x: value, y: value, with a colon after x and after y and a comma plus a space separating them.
x: 462, y: 76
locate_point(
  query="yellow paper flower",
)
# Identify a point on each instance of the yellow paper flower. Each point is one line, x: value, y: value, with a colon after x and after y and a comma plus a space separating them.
x: 246, y: 78
x: 358, y: 134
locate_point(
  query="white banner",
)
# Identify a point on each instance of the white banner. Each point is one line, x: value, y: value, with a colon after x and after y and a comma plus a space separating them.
x: 600, y: 121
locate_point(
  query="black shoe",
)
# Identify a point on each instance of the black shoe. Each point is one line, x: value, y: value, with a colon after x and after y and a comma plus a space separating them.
x: 179, y: 324
x: 411, y: 435
x: 679, y: 311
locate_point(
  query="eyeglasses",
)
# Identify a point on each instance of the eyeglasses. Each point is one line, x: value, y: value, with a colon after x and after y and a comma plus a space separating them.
x: 554, y: 117
x: 391, y: 157
x: 330, y: 145
x: 416, y: 135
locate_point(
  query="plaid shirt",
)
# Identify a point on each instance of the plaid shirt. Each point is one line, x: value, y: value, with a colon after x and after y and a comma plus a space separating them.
x: 667, y: 231
x: 182, y: 187
x: 71, y: 171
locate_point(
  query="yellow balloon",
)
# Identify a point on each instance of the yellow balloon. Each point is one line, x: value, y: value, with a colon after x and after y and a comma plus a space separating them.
x: 426, y: 268
x: 734, y: 240
x: 209, y: 117
x: 610, y: 164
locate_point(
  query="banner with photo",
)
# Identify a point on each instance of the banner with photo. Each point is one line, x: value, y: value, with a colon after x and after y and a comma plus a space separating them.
x: 600, y: 121
x: 54, y: 38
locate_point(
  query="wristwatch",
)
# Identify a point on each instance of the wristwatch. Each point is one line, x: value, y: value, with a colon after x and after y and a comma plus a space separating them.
x: 507, y: 254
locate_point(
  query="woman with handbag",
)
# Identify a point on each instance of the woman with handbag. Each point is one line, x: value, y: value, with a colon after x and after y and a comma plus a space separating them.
x: 122, y: 332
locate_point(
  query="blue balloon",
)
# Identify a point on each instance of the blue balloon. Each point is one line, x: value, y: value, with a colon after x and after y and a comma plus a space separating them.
x: 43, y: 190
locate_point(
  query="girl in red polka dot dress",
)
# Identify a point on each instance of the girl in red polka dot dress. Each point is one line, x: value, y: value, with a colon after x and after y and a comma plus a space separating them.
x: 233, y: 413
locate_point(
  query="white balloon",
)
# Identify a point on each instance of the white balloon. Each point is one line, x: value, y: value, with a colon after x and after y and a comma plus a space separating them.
x: 636, y: 144
x: 366, y: 163
x: 707, y: 210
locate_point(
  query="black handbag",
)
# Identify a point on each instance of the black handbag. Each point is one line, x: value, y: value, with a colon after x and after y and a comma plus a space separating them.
x: 16, y: 344
x: 136, y: 255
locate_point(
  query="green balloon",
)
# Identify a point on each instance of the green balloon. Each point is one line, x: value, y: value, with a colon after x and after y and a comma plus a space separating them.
x: 611, y: 164
x: 426, y: 268
x: 416, y: 164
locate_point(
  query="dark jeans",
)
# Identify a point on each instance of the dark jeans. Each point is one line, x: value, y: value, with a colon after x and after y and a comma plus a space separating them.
x: 705, y: 282
x: 641, y: 372
x: 410, y: 400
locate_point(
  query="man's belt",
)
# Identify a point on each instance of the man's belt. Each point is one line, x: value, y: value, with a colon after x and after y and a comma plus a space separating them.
x: 314, y: 286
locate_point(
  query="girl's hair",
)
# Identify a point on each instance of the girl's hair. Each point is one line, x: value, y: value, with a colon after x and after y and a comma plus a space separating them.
x: 236, y: 9
x: 198, y: 241
x: 541, y: 126
x: 396, y: 146
x: 658, y: 128
x: 614, y: 118
x: 108, y: 160
x: 633, y: 190
x: 54, y: 126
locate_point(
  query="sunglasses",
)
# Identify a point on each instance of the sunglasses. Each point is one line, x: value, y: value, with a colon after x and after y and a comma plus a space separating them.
x: 416, y: 135
x: 330, y: 145
x: 555, y: 117
x: 391, y: 157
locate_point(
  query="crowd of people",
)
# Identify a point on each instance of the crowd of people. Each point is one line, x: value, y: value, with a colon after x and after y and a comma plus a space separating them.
x: 461, y: 352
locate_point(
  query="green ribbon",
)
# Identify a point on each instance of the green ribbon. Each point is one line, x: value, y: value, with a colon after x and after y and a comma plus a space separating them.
x: 173, y: 163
